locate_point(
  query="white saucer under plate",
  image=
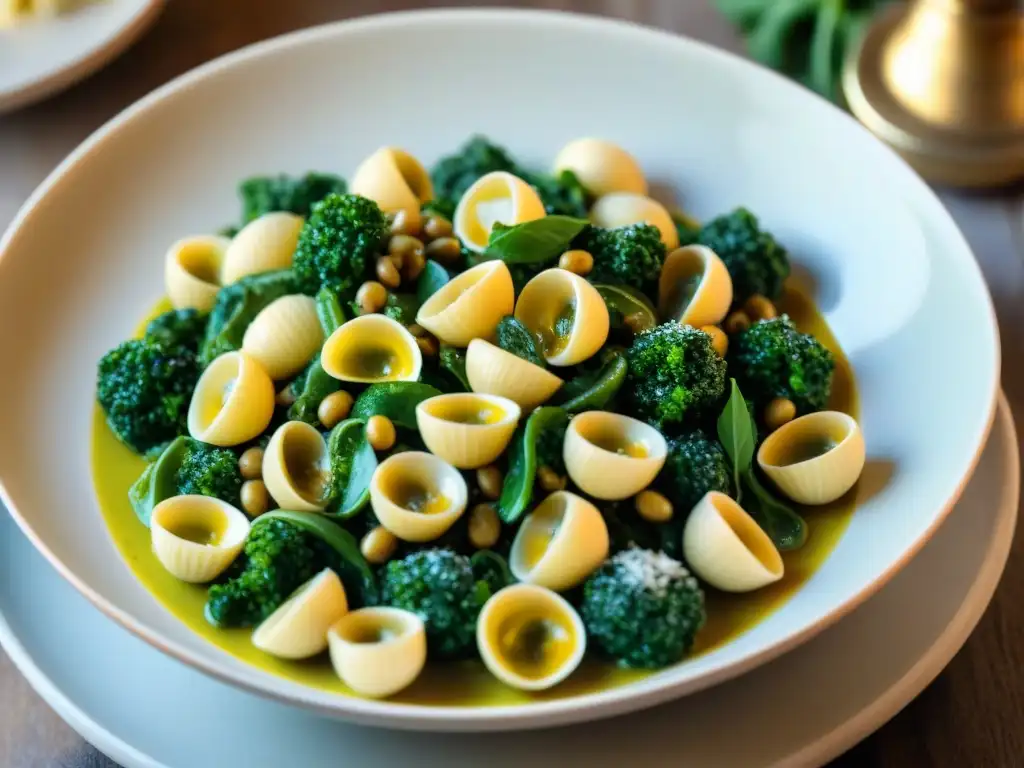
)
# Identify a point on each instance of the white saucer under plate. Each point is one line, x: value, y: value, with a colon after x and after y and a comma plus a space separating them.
x: 39, y: 58
x: 143, y: 709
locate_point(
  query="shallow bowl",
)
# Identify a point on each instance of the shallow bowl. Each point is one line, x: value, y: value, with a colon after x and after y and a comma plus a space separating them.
x: 81, y: 264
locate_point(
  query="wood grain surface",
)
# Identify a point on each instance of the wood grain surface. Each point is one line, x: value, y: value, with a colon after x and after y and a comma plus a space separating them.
x: 972, y: 715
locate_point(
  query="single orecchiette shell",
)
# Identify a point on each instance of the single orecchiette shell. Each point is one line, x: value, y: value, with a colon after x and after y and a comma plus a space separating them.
x: 494, y: 371
x: 417, y: 496
x: 497, y: 197
x: 469, y: 306
x: 530, y: 637
x: 601, y: 167
x: 298, y: 628
x: 192, y: 271
x: 560, y: 543
x: 393, y: 179
x: 466, y: 429
x: 725, y: 547
x: 233, y: 401
x: 285, y: 336
x: 566, y: 313
x: 378, y: 651
x: 694, y: 287
x: 295, y: 467
x: 814, y: 459
x: 621, y: 209
x: 262, y: 245
x: 370, y: 349
x: 197, y: 537
x: 612, y: 456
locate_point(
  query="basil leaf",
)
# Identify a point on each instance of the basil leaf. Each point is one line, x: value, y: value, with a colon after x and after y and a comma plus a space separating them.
x: 316, y: 385
x: 534, y: 241
x: 783, y: 525
x: 158, y: 481
x: 352, y: 465
x: 736, y: 435
x: 432, y: 279
x: 593, y: 391
x: 329, y: 311
x: 516, y: 338
x: 395, y: 399
x: 453, y: 360
x: 517, y: 490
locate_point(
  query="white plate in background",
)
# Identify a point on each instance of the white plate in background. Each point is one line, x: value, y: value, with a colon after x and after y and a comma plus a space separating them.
x: 40, y: 57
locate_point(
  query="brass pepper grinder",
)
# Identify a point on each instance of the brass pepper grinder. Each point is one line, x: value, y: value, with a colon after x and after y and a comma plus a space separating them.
x: 942, y: 82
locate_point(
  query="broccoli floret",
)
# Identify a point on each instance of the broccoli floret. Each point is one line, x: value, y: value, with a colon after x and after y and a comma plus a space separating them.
x: 438, y: 585
x: 674, y: 376
x: 642, y: 609
x: 178, y: 327
x: 756, y: 262
x: 278, y: 558
x: 773, y: 359
x: 144, y: 388
x: 338, y: 243
x: 263, y: 194
x: 454, y: 174
x: 630, y: 255
x: 694, y: 466
x: 210, y: 471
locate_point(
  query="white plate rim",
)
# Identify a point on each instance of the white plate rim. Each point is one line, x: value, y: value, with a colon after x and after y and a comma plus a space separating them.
x: 595, y: 705
x: 88, y: 62
x: 869, y: 719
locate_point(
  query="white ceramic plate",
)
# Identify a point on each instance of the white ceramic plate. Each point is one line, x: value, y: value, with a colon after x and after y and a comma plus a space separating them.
x: 81, y: 264
x: 39, y: 58
x: 801, y: 710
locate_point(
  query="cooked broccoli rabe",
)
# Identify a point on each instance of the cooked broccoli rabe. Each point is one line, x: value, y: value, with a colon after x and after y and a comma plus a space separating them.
x: 674, y: 376
x: 178, y: 327
x: 263, y: 194
x: 277, y: 559
x: 642, y: 609
x: 630, y: 255
x: 144, y: 388
x: 338, y: 243
x: 454, y: 174
x: 438, y: 585
x: 210, y: 471
x: 695, y: 465
x: 773, y: 359
x: 756, y: 262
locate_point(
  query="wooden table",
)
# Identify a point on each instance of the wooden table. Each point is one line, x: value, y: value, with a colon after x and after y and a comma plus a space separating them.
x: 972, y: 715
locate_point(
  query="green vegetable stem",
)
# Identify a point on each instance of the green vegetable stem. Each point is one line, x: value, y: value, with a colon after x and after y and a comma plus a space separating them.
x: 517, y: 491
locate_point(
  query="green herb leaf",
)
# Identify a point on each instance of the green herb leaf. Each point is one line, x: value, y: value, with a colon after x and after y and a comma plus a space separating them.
x: 395, y: 399
x: 517, y: 491
x: 158, y: 481
x: 453, y: 360
x: 783, y: 525
x: 736, y: 435
x: 237, y: 306
x: 516, y: 338
x: 624, y: 302
x: 593, y: 391
x: 352, y: 465
x: 432, y: 279
x: 329, y: 310
x: 534, y: 241
x: 316, y: 385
